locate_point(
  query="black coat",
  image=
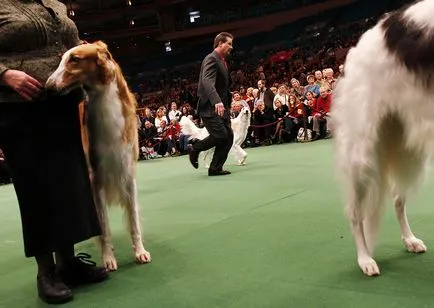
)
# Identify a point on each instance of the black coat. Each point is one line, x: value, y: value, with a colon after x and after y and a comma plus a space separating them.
x: 268, y: 98
x: 213, y: 87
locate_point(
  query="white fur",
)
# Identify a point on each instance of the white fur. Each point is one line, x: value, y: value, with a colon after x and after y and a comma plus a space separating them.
x: 114, y: 181
x: 112, y: 164
x: 239, y: 125
x: 383, y: 121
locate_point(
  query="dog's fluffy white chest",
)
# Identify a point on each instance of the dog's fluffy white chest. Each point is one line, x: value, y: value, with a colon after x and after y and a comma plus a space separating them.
x: 106, y: 125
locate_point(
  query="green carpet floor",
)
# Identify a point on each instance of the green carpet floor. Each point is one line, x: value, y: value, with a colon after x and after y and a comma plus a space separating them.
x: 272, y: 234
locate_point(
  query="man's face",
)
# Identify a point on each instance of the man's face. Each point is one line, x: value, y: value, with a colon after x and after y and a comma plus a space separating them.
x: 237, y: 97
x: 226, y: 47
x: 260, y: 85
x: 323, y: 93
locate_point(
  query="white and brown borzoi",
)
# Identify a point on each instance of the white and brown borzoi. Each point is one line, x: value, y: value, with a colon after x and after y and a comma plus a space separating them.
x: 113, y: 137
x: 240, y: 126
x: 383, y: 116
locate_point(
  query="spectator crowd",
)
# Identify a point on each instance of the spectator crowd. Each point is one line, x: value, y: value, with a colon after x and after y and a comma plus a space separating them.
x: 289, y: 93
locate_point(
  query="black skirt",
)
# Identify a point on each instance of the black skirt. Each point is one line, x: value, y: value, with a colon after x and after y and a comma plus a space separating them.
x: 42, y: 145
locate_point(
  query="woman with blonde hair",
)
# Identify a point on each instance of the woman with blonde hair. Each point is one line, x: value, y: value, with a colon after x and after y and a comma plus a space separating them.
x: 296, y: 88
x: 281, y: 95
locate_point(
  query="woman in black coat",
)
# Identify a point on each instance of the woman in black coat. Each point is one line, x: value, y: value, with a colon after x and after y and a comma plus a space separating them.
x: 40, y: 137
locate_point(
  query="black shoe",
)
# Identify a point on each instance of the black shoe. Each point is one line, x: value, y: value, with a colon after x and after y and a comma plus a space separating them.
x: 52, y: 290
x: 213, y: 172
x: 194, y: 156
x: 81, y: 270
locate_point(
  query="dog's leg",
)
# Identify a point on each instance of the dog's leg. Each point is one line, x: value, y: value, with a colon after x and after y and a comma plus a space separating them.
x: 207, y: 156
x: 237, y: 155
x: 105, y: 239
x: 132, y: 208
x: 407, y: 170
x: 364, y: 258
x: 365, y: 209
x: 355, y: 212
x: 411, y: 242
x: 240, y: 154
x: 205, y: 159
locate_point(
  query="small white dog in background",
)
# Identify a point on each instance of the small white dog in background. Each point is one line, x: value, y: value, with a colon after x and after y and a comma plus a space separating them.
x: 240, y: 126
x: 384, y: 133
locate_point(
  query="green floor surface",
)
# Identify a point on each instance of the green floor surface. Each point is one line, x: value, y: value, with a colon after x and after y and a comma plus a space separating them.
x: 272, y: 234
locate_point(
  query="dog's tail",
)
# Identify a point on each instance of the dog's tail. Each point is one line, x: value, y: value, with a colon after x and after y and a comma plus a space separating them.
x: 189, y: 128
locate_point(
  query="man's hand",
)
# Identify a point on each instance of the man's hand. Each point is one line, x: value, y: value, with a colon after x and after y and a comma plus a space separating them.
x: 220, y: 109
x: 25, y: 85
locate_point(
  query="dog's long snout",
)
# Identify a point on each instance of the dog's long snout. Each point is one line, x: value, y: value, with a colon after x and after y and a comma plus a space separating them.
x: 50, y: 84
x: 54, y: 80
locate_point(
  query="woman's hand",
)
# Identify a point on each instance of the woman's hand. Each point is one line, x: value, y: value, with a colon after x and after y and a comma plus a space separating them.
x: 25, y: 85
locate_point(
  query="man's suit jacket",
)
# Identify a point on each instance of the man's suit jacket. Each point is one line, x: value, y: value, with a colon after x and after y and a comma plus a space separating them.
x: 268, y: 98
x: 213, y: 87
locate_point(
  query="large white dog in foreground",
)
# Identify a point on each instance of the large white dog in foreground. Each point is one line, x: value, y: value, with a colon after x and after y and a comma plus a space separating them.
x: 383, y: 115
x: 239, y: 125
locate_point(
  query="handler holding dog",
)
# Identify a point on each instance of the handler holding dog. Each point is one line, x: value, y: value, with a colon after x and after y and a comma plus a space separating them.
x: 41, y: 139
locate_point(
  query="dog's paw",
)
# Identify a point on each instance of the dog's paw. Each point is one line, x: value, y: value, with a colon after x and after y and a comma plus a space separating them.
x: 243, y: 160
x: 143, y: 256
x: 369, y: 266
x: 110, y: 262
x: 414, y: 244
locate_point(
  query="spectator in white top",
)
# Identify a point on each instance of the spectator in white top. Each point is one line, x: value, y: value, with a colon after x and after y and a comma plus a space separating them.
x: 282, y: 96
x: 174, y: 113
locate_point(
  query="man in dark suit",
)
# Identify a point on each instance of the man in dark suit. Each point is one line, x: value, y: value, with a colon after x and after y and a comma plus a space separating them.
x: 266, y: 95
x: 214, y: 106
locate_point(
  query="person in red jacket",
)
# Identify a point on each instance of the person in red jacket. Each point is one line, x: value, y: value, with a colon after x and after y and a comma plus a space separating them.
x: 322, y: 111
x: 172, y: 136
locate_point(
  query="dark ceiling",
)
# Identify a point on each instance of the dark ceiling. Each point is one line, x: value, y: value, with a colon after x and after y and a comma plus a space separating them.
x: 135, y: 27
x: 120, y: 18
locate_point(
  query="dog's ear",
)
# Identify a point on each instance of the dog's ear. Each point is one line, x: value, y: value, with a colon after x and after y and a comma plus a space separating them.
x: 100, y: 44
x: 105, y: 62
x: 103, y: 52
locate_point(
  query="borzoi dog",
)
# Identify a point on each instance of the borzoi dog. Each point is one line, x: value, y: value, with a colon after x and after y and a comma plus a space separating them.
x: 383, y: 115
x: 239, y: 125
x: 113, y: 137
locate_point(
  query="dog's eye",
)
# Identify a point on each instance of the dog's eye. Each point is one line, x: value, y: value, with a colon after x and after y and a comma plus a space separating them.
x: 74, y: 59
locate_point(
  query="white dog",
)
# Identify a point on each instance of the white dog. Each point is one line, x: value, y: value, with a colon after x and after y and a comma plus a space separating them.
x: 239, y: 125
x: 383, y: 115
